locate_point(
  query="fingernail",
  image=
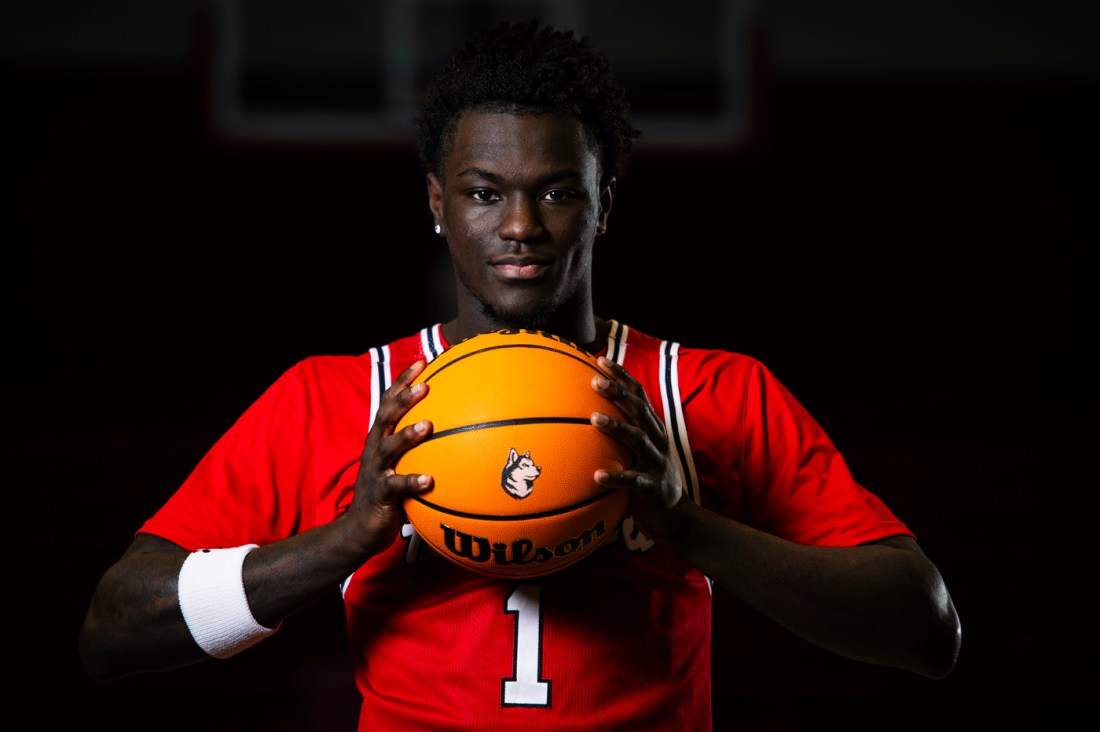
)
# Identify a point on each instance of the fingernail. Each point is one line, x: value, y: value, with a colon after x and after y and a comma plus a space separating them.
x: 600, y: 418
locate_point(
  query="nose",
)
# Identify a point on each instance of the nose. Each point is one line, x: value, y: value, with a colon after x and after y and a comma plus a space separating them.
x: 522, y: 220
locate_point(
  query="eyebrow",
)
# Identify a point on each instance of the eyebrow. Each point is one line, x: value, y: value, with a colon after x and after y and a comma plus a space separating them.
x: 493, y: 177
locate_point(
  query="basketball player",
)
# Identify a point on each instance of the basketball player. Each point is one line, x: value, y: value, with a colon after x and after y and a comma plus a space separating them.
x: 522, y: 136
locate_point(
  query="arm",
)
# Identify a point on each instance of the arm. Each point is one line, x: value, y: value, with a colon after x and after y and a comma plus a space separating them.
x: 883, y: 602
x: 134, y: 623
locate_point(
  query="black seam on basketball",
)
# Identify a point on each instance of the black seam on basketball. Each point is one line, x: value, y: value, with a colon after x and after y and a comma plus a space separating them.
x: 506, y: 423
x: 520, y: 517
x: 431, y: 376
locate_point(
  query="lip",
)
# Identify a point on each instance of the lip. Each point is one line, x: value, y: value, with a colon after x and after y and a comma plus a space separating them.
x: 519, y: 268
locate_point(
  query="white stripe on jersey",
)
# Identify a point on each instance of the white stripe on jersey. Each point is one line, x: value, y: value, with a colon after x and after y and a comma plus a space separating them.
x: 616, y: 342
x: 675, y: 426
x: 431, y: 342
x: 380, y: 378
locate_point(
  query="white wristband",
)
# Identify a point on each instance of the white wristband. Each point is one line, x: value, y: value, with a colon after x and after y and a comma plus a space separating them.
x: 213, y: 602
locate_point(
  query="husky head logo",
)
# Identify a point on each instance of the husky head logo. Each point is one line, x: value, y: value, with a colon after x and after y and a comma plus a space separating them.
x: 519, y: 474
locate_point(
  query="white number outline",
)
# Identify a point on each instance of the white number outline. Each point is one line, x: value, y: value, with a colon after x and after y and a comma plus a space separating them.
x: 526, y: 687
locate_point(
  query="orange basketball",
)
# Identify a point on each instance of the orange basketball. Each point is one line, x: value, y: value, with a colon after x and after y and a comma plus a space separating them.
x: 513, y: 455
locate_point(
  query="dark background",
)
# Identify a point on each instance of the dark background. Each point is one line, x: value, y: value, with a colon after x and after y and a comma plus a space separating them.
x: 903, y: 227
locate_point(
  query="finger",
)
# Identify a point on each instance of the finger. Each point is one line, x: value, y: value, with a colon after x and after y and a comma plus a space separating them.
x: 403, y: 388
x: 409, y: 485
x: 620, y: 375
x: 407, y: 376
x: 643, y: 486
x: 611, y: 367
x: 390, y: 488
x: 403, y: 440
x: 632, y: 437
x: 636, y: 408
x: 400, y: 397
x: 614, y: 391
x: 617, y: 478
x: 638, y: 482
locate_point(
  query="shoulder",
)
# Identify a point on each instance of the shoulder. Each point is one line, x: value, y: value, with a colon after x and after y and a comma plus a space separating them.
x: 379, y: 362
x: 642, y: 352
x: 314, y: 372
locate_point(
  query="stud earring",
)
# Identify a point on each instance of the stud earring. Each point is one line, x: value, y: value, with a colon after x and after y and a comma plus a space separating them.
x: 601, y: 230
x: 438, y: 229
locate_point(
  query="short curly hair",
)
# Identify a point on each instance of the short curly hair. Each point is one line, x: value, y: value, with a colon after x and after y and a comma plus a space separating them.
x: 526, y: 68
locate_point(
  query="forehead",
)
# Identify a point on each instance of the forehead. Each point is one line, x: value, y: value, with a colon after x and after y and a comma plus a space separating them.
x: 505, y: 142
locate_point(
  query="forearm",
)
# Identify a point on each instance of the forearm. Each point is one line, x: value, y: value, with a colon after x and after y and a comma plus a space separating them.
x: 285, y: 576
x: 134, y: 623
x: 883, y: 603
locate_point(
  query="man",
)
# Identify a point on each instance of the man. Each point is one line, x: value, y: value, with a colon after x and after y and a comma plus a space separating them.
x: 522, y: 137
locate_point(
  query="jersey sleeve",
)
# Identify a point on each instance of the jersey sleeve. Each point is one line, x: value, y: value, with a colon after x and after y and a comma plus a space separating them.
x: 785, y: 476
x: 270, y: 474
x: 797, y: 484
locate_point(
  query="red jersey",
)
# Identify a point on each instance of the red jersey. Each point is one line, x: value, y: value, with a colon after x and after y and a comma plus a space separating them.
x: 620, y: 640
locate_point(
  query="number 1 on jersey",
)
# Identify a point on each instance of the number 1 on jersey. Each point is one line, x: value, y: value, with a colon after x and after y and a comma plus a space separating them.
x: 526, y: 688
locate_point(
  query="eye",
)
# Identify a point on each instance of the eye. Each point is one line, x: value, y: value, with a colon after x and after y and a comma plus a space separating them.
x: 556, y: 194
x: 484, y: 195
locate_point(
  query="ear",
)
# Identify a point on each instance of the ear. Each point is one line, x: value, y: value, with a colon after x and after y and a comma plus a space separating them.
x: 512, y: 455
x: 607, y: 193
x: 435, y: 198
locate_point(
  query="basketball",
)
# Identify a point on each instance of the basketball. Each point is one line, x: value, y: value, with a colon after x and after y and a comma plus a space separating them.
x: 513, y: 454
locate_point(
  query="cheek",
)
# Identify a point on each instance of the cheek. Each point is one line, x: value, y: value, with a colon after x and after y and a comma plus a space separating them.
x: 579, y: 256
x: 461, y: 223
x: 473, y: 222
x: 574, y: 223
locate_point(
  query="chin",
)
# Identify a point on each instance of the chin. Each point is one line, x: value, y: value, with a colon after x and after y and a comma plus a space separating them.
x: 526, y: 316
